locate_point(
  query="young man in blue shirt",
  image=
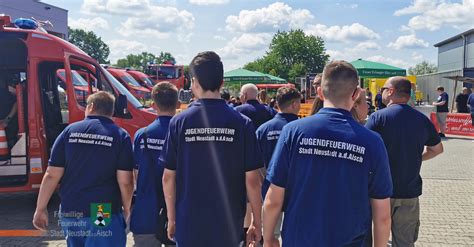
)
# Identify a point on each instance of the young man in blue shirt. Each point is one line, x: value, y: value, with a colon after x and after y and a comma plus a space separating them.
x: 325, y: 171
x: 93, y: 159
x: 442, y: 109
x: 211, y: 165
x: 149, y: 198
x: 251, y: 108
x: 289, y: 103
x: 410, y: 138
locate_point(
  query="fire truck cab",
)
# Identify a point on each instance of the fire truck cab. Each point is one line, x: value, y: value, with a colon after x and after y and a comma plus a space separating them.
x: 141, y: 78
x: 139, y: 91
x: 33, y: 58
x: 168, y: 72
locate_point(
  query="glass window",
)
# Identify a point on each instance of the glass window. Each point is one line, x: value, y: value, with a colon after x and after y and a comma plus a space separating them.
x: 122, y: 90
x: 130, y: 81
x: 148, y: 81
x: 167, y: 72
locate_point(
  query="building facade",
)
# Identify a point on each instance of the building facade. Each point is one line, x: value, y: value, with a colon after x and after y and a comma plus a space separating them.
x: 455, y: 67
x: 40, y: 11
x: 456, y: 52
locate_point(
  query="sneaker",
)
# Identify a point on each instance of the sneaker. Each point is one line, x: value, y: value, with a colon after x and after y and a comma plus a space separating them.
x: 441, y: 135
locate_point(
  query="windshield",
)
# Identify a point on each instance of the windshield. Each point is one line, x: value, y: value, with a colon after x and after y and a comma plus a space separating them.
x: 77, y: 79
x: 122, y: 90
x: 130, y: 81
x: 167, y: 73
x: 147, y: 81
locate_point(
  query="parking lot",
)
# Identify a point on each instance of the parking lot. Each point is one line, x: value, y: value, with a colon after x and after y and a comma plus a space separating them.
x: 447, y: 217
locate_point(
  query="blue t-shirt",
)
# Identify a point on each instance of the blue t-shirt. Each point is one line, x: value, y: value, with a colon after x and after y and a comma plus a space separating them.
x: 91, y: 151
x: 267, y: 136
x: 470, y: 102
x: 442, y: 97
x: 405, y: 132
x: 257, y: 112
x: 330, y: 166
x: 149, y: 193
x: 211, y: 147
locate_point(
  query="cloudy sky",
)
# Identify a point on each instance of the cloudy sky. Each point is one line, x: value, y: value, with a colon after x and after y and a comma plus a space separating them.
x: 397, y: 32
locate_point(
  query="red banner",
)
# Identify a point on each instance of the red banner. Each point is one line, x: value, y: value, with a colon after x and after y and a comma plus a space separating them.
x: 456, y: 124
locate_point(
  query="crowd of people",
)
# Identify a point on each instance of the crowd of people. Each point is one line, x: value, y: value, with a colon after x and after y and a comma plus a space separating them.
x: 218, y: 174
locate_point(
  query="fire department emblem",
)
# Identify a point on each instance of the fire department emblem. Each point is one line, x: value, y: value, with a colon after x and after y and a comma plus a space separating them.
x: 101, y: 214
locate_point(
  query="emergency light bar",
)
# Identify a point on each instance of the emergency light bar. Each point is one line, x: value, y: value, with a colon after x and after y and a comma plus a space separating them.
x: 25, y: 23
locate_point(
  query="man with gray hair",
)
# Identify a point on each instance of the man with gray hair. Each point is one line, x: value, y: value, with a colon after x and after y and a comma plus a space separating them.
x: 251, y: 108
x: 93, y: 160
x: 410, y: 138
x: 327, y: 168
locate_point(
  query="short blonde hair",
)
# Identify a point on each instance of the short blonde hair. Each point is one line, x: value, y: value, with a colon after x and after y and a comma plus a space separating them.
x: 104, y: 103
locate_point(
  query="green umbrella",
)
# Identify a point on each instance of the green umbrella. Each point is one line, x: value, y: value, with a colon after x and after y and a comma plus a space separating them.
x: 244, y: 76
x: 273, y: 79
x: 368, y: 69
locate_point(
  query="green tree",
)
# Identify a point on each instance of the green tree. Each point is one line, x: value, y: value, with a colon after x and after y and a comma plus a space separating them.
x: 423, y: 68
x: 296, y: 70
x: 140, y: 61
x: 130, y: 61
x: 292, y: 54
x: 165, y: 56
x: 90, y: 43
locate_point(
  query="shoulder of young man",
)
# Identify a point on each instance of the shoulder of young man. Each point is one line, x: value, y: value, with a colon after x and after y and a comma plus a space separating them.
x: 139, y: 134
x: 122, y: 133
x: 265, y: 127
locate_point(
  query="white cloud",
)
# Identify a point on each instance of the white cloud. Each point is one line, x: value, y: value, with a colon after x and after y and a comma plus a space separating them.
x: 408, y: 42
x: 351, y: 6
x: 390, y: 61
x: 350, y: 53
x: 354, y: 32
x: 416, y: 56
x: 183, y: 58
x: 277, y: 16
x: 144, y: 18
x: 418, y: 7
x: 121, y: 48
x: 208, y: 2
x: 115, y: 7
x: 433, y: 16
x: 89, y: 24
x: 336, y: 55
x: 160, y: 22
x: 367, y: 45
x: 244, y: 44
x: 219, y: 37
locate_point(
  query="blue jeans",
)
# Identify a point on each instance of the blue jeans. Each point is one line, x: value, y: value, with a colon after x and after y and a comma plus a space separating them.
x: 82, y: 232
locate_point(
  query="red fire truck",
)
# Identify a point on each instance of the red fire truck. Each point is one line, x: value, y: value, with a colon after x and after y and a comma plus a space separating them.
x: 141, y: 78
x: 168, y: 72
x: 34, y: 57
x: 139, y: 91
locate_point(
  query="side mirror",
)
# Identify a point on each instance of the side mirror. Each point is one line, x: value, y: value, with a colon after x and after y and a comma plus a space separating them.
x: 121, y: 107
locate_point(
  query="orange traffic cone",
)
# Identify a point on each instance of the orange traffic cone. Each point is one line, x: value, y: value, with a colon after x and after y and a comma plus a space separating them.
x: 4, y: 151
